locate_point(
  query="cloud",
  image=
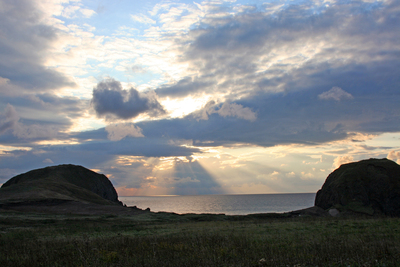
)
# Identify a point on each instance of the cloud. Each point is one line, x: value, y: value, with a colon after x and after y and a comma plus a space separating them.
x: 27, y: 159
x: 239, y: 53
x: 342, y: 160
x: 226, y: 110
x: 184, y: 87
x: 24, y: 46
x: 394, y: 155
x: 265, y: 131
x: 48, y: 161
x: 117, y: 132
x: 128, y: 146
x: 336, y: 93
x: 268, y: 67
x: 70, y: 11
x: 35, y: 131
x: 87, y: 12
x: 40, y: 117
x: 203, y: 113
x: 110, y: 98
x: 294, y: 117
x: 236, y: 110
x: 142, y: 19
x: 100, y: 154
x: 8, y: 119
x: 262, y: 62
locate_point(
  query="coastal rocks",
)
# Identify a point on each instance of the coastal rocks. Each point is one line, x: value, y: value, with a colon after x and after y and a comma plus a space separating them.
x: 369, y: 186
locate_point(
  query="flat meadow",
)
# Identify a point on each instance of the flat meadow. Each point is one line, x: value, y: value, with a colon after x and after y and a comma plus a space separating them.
x: 164, y: 239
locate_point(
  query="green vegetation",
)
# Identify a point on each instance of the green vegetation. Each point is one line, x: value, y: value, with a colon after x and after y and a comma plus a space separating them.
x: 163, y: 239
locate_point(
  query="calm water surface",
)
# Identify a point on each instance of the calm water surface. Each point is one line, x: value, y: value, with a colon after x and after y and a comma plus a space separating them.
x: 227, y: 204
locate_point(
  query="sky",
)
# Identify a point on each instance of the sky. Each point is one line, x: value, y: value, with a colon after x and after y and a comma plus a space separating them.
x: 199, y: 97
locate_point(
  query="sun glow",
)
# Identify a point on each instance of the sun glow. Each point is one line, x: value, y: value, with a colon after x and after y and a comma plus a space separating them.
x: 181, y: 107
x: 129, y: 160
x: 5, y: 149
x: 57, y: 142
x: 86, y: 123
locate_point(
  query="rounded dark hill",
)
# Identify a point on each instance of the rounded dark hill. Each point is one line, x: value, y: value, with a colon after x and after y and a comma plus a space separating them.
x: 369, y: 186
x: 59, y: 184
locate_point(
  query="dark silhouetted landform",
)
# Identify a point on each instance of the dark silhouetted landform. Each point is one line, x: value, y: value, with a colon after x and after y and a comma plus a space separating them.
x: 366, y: 187
x: 369, y: 186
x: 61, y: 189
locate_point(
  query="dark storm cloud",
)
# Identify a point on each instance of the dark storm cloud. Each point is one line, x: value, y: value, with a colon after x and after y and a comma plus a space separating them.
x: 23, y: 47
x: 110, y: 98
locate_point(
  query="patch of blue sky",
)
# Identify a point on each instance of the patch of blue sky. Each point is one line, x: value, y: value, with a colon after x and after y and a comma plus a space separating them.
x: 117, y: 7
x: 317, y: 7
x: 108, y: 15
x: 123, y: 18
x: 112, y: 16
x: 127, y: 76
x: 105, y: 72
x: 143, y: 78
x: 387, y: 140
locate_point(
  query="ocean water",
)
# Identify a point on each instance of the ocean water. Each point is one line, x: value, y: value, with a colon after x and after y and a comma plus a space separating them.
x: 227, y: 204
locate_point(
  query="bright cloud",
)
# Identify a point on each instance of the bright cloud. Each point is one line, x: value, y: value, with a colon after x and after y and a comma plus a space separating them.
x: 335, y: 93
x: 142, y: 19
x: 342, y: 160
x: 394, y: 155
x: 117, y: 132
x: 226, y: 110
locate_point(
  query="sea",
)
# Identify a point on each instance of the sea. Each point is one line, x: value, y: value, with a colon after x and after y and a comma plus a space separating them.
x: 223, y: 204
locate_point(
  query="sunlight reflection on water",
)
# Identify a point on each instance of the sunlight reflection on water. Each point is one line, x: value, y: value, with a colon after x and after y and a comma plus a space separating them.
x: 227, y: 204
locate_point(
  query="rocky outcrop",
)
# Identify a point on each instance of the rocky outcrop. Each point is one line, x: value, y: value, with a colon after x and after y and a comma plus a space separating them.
x: 369, y: 186
x: 63, y: 182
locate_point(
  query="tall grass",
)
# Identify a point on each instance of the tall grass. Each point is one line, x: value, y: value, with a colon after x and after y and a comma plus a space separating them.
x: 272, y: 242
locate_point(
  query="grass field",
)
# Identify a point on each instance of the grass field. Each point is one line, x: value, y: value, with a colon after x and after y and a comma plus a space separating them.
x: 196, y: 240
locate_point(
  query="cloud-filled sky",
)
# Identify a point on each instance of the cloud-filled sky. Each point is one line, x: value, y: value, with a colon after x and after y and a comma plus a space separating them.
x: 207, y: 97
